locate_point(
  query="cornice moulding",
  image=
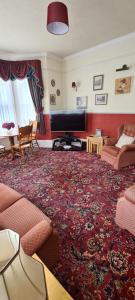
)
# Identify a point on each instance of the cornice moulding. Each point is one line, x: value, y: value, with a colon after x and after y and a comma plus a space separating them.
x: 108, y: 43
x: 12, y: 56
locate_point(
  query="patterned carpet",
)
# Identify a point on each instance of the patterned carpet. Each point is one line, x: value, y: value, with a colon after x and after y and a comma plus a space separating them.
x: 79, y: 192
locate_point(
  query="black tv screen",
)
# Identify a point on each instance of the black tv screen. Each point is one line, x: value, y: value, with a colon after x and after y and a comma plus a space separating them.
x: 68, y: 121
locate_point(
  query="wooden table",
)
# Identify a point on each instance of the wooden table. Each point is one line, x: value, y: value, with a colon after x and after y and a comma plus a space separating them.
x: 11, y: 139
x: 54, y: 289
x: 95, y: 142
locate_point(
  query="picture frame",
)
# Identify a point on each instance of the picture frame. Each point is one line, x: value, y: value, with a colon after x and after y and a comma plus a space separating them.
x: 98, y: 132
x: 52, y: 99
x: 123, y: 85
x: 81, y: 102
x: 98, y: 82
x: 101, y: 99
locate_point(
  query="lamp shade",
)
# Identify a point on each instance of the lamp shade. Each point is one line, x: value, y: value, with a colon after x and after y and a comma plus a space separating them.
x: 57, y: 18
x: 21, y: 277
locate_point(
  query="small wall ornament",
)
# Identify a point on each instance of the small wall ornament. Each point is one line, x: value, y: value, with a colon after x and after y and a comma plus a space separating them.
x: 58, y: 92
x: 53, y: 82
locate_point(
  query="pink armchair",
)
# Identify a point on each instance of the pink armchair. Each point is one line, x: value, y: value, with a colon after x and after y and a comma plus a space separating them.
x: 125, y: 210
x: 120, y: 157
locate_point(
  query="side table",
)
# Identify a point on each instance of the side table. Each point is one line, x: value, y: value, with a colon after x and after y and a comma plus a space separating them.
x: 54, y: 289
x: 94, y: 141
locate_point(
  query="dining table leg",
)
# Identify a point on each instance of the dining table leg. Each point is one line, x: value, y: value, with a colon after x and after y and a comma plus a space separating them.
x: 11, y: 140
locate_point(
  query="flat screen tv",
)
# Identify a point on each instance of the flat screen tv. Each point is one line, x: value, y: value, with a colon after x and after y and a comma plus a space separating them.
x: 68, y: 121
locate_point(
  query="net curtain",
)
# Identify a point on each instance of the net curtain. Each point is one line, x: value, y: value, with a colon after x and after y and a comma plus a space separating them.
x: 30, y: 69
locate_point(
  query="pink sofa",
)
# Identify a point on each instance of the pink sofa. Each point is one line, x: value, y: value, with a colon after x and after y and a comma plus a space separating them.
x: 119, y: 157
x: 125, y: 210
x: 35, y: 228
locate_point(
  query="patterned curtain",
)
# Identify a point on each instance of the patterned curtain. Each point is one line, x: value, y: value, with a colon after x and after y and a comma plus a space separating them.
x: 30, y: 69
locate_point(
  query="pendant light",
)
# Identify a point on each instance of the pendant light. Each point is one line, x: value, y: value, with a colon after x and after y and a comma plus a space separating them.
x: 57, y: 18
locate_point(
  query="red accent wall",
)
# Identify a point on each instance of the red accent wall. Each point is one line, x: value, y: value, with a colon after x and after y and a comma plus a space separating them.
x: 109, y: 124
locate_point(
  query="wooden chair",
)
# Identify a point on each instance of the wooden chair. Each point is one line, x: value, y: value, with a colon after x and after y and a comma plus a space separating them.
x: 24, y: 140
x: 34, y: 133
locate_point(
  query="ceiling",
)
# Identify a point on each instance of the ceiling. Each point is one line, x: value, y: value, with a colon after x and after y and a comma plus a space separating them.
x: 92, y: 22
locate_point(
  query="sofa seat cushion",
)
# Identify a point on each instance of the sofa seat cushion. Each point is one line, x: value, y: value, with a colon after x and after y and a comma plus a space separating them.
x: 7, y: 196
x: 112, y: 150
x: 41, y: 231
x: 22, y: 216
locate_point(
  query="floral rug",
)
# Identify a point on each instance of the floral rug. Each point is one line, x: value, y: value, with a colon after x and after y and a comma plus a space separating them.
x: 79, y: 193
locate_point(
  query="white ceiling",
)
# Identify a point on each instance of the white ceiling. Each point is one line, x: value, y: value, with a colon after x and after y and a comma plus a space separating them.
x: 92, y: 22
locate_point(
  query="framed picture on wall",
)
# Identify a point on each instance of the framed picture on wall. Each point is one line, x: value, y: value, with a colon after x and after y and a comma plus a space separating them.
x: 122, y: 85
x: 101, y: 99
x: 52, y: 99
x: 81, y: 102
x: 98, y: 82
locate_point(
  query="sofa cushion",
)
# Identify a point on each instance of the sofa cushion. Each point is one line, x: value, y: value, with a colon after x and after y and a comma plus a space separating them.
x: 22, y: 216
x: 7, y: 196
x: 130, y: 194
x: 125, y: 140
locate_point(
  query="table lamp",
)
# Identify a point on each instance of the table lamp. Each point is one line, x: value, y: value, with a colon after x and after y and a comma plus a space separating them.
x: 21, y: 277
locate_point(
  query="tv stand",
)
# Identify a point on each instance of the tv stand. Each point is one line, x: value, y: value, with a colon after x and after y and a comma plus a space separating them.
x: 69, y: 143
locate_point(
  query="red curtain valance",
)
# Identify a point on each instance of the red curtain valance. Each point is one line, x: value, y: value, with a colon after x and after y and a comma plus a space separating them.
x: 21, y: 69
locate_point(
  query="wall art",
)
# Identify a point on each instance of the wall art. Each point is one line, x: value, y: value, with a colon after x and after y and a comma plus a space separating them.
x: 101, y: 99
x: 98, y: 82
x: 52, y: 99
x: 81, y: 102
x: 123, y: 85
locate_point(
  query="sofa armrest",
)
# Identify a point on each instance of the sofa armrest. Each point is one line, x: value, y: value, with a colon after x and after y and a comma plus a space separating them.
x: 35, y: 237
x: 49, y: 251
x: 130, y: 194
x: 110, y: 141
x: 130, y: 147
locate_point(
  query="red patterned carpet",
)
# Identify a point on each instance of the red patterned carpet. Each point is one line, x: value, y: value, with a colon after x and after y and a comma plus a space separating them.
x: 79, y: 192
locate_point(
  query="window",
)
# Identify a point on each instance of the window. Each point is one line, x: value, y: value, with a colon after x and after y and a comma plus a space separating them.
x: 16, y: 104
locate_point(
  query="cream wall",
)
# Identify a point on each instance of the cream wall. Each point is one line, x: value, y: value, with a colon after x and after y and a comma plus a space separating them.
x: 54, y: 71
x: 103, y: 59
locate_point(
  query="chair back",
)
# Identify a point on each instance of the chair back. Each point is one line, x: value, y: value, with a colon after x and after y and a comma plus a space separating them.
x: 128, y: 129
x: 25, y: 134
x: 34, y: 128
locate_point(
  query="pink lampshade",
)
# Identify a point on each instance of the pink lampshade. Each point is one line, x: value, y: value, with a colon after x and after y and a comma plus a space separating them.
x: 57, y: 18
